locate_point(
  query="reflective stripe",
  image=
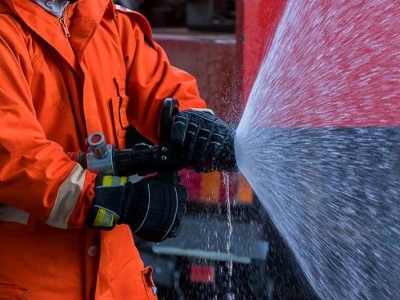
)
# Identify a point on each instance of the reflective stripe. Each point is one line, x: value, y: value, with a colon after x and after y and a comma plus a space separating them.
x: 109, y: 180
x: 204, y: 109
x: 67, y: 197
x: 105, y: 218
x: 13, y: 214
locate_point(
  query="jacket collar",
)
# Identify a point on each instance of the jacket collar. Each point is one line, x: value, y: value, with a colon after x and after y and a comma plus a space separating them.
x: 87, y: 15
x: 54, y: 7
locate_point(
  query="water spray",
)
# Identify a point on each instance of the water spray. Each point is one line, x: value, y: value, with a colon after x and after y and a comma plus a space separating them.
x: 319, y: 140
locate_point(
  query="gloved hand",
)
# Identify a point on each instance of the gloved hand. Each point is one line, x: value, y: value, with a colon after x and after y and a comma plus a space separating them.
x: 204, y: 141
x: 152, y: 209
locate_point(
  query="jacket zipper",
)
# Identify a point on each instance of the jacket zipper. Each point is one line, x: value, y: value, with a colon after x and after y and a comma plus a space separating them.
x: 64, y: 26
x: 63, y: 22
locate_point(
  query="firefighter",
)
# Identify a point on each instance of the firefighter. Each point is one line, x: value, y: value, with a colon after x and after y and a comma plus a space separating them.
x: 68, y: 70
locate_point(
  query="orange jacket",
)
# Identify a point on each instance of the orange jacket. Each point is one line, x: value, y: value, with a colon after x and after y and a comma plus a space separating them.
x: 54, y: 92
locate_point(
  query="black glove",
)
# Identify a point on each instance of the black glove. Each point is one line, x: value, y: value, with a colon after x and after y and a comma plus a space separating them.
x: 152, y: 209
x: 204, y: 141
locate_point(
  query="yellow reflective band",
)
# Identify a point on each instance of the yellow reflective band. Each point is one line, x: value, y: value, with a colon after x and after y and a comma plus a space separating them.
x: 104, y: 218
x: 99, y: 217
x: 107, y: 180
x: 123, y: 180
x: 114, y: 180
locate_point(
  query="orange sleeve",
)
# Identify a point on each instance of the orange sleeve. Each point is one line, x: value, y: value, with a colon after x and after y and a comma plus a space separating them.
x: 151, y: 77
x: 36, y: 176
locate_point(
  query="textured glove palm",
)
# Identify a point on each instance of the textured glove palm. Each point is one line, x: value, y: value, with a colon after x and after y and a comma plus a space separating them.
x: 204, y: 141
x: 152, y: 209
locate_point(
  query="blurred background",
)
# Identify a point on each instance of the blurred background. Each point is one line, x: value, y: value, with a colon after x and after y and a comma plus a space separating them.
x: 229, y: 248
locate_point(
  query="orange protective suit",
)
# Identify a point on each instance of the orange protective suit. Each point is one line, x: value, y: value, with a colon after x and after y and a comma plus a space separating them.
x: 54, y: 92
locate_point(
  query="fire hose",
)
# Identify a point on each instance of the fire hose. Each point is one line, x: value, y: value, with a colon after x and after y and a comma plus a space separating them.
x: 144, y: 159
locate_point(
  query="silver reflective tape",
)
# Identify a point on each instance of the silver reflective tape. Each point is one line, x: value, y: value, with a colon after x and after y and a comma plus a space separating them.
x: 115, y: 181
x: 67, y: 197
x: 13, y: 214
x: 204, y: 109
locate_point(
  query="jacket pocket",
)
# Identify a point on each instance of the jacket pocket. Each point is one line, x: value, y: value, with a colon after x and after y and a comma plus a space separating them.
x: 12, y: 292
x: 118, y: 108
x: 149, y: 286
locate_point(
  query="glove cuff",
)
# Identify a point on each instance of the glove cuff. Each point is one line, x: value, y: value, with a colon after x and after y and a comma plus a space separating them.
x: 158, y: 205
x: 107, y: 203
